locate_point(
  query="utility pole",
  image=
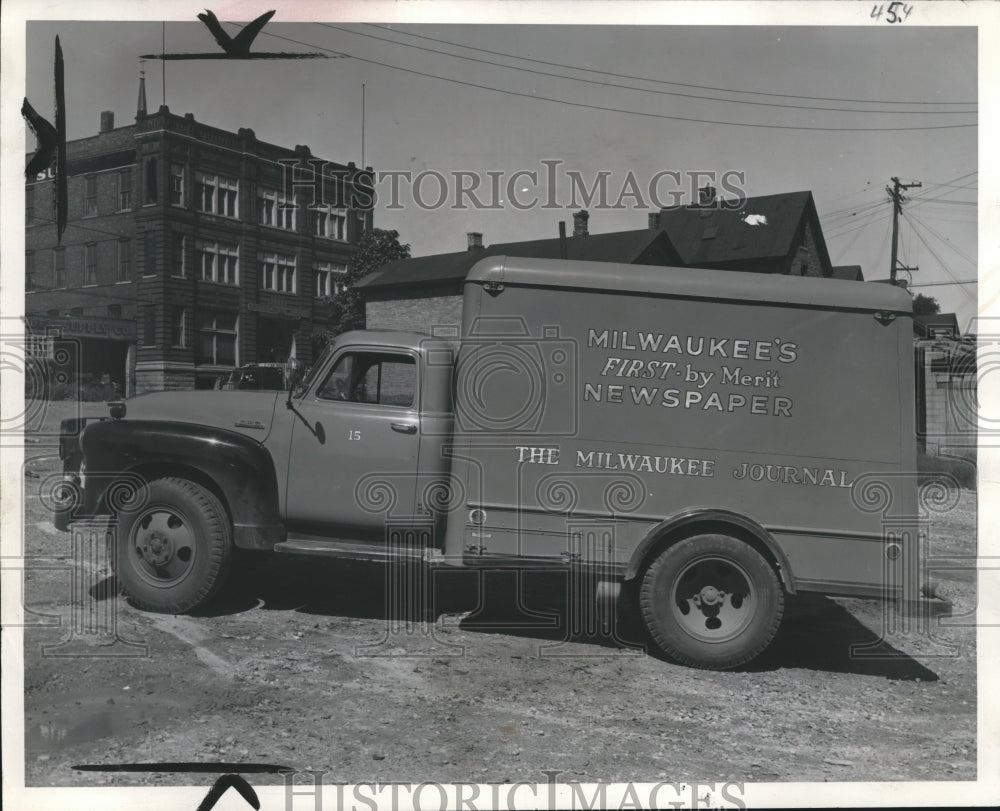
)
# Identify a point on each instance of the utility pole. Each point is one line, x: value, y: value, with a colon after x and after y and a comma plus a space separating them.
x: 895, y: 194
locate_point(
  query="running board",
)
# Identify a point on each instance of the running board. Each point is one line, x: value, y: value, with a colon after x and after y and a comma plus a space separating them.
x: 352, y: 550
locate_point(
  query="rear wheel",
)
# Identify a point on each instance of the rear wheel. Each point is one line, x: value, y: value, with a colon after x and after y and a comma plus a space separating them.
x: 175, y: 548
x: 711, y: 601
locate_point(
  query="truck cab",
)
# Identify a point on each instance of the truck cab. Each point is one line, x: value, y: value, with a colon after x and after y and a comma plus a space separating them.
x: 365, y: 431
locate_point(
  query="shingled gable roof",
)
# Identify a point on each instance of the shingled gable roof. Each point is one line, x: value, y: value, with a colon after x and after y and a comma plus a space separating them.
x: 628, y: 247
x: 717, y: 236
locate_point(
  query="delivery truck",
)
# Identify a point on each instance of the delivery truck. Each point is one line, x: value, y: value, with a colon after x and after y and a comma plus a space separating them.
x: 707, y: 441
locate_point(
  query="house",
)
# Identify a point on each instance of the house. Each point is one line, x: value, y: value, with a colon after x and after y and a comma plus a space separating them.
x: 774, y: 233
x: 778, y: 233
x: 426, y: 292
x: 184, y: 256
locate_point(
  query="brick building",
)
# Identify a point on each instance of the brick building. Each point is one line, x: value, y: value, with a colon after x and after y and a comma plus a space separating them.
x: 183, y: 254
x: 778, y: 233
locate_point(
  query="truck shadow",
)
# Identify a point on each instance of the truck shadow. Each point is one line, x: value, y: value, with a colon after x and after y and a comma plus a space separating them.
x: 816, y: 634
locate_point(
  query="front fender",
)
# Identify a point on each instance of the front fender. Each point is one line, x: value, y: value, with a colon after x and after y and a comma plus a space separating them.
x: 239, y: 469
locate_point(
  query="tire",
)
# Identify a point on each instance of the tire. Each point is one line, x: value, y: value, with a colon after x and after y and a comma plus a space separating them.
x: 175, y: 549
x: 711, y: 601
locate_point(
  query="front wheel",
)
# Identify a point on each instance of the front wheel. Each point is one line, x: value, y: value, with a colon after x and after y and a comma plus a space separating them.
x: 175, y: 548
x: 711, y: 601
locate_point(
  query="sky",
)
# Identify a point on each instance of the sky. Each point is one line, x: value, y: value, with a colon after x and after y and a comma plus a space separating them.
x: 836, y: 110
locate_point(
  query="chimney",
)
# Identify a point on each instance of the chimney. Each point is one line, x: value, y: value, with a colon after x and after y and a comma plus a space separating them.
x: 580, y: 223
x: 562, y: 240
x: 475, y: 240
x: 107, y: 121
x: 653, y: 221
x: 706, y: 195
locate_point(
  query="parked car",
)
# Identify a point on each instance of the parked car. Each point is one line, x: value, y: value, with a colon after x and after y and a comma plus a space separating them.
x: 255, y: 376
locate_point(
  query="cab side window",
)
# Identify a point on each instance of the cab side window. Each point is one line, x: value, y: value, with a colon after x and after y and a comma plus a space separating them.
x: 371, y: 377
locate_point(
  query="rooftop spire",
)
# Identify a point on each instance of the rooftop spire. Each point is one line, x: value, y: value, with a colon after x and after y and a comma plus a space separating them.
x: 141, y: 106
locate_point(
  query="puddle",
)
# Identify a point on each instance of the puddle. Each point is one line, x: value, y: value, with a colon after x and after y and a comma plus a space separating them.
x: 72, y: 720
x: 62, y: 733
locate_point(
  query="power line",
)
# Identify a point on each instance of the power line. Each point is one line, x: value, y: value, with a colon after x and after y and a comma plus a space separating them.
x: 644, y: 114
x: 941, y: 262
x: 941, y: 284
x: 873, y: 219
x: 845, y: 216
x: 920, y: 199
x: 942, y: 239
x: 953, y: 186
x: 954, y: 179
x: 947, y: 202
x: 644, y: 89
x: 664, y: 81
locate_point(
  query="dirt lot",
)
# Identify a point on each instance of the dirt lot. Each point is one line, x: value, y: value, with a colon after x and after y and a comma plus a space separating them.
x: 302, y: 668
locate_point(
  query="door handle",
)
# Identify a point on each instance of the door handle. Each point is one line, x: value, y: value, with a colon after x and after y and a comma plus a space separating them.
x: 403, y: 427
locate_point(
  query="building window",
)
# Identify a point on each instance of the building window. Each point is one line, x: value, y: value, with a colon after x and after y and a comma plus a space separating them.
x: 125, y: 189
x: 29, y: 205
x: 178, y: 262
x: 29, y: 270
x: 90, y: 196
x: 277, y: 272
x: 330, y: 280
x: 217, y: 334
x: 58, y: 268
x: 178, y: 327
x: 124, y: 260
x: 218, y: 195
x: 90, y: 263
x: 277, y: 211
x: 148, y: 325
x: 219, y: 262
x: 114, y: 311
x: 151, y: 193
x: 331, y: 223
x: 149, y: 254
x: 176, y: 184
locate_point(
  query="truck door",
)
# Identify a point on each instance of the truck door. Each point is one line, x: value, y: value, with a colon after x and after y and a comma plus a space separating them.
x: 354, y: 444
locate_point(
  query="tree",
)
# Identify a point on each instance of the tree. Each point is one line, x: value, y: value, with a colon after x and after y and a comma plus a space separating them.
x: 376, y: 248
x: 925, y: 305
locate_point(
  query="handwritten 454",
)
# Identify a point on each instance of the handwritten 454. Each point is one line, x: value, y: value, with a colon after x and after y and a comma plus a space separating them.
x: 897, y: 12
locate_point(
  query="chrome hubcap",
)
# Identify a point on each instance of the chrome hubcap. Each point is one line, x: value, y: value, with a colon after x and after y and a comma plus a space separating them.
x: 164, y: 546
